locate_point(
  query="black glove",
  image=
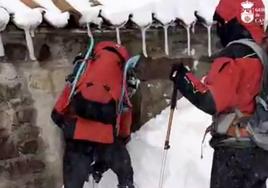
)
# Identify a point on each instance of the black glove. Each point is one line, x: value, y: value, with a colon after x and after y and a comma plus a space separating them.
x: 178, y: 71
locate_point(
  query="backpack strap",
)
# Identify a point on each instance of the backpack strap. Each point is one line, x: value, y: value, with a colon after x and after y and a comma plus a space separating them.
x: 262, y: 55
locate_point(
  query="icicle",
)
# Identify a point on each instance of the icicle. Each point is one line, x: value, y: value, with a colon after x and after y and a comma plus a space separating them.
x: 166, y: 38
x: 2, y: 51
x: 193, y: 26
x: 29, y: 42
x: 188, y: 40
x: 209, y: 39
x: 118, y: 35
x: 32, y: 33
x: 143, y: 35
x: 117, y: 29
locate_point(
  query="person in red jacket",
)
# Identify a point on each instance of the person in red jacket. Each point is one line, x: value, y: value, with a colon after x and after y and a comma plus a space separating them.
x: 228, y: 93
x: 95, y: 132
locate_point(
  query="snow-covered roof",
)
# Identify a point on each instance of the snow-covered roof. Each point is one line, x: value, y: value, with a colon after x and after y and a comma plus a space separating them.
x: 29, y: 14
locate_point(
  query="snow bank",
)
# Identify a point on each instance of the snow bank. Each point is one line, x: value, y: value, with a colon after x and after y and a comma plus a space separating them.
x: 184, y: 167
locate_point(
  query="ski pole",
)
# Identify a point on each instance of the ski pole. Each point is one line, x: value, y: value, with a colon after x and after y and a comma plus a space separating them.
x: 167, y: 146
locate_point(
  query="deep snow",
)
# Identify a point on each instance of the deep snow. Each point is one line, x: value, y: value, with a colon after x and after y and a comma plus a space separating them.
x: 185, y: 168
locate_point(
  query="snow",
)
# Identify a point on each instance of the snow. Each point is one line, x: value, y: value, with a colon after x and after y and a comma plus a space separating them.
x: 188, y: 16
x: 164, y: 11
x: 206, y: 9
x: 53, y: 14
x: 115, y: 13
x: 118, y: 14
x: 58, y: 20
x: 24, y: 17
x: 4, y: 19
x: 143, y: 16
x: 89, y: 13
x: 141, y: 11
x: 184, y: 167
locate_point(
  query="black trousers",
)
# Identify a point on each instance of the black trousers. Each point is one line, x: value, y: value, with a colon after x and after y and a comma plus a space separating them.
x: 239, y: 168
x: 84, y: 158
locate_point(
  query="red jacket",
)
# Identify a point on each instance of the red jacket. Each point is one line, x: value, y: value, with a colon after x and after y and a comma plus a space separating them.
x: 234, y: 83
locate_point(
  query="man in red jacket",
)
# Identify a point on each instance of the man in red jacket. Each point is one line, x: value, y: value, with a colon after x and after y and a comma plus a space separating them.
x: 95, y: 132
x: 228, y: 93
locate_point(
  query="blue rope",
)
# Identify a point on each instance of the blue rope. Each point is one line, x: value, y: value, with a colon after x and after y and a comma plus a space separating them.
x: 82, y: 66
x: 130, y: 64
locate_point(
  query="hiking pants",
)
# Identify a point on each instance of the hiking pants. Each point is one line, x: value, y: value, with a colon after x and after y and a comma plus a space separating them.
x: 79, y: 157
x: 239, y: 168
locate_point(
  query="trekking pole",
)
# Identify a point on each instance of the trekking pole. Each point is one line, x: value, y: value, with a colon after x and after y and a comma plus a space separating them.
x: 167, y: 146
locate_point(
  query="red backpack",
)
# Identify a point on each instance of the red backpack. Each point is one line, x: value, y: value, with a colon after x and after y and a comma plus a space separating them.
x: 91, y: 112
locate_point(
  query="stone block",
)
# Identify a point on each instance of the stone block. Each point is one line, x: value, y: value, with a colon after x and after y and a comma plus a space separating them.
x: 39, y: 80
x: 7, y: 117
x: 159, y: 68
x: 25, y: 133
x: 16, y: 167
x: 8, y: 148
x: 154, y: 98
x: 28, y: 146
x: 58, y: 78
x: 26, y: 114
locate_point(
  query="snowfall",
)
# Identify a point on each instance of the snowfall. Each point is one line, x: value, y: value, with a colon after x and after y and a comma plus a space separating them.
x: 184, y: 167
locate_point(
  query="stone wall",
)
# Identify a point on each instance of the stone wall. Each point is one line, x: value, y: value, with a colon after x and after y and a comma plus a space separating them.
x: 31, y: 145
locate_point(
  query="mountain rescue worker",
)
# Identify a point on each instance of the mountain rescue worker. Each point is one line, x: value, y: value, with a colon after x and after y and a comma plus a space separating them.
x: 95, y: 132
x: 228, y: 93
